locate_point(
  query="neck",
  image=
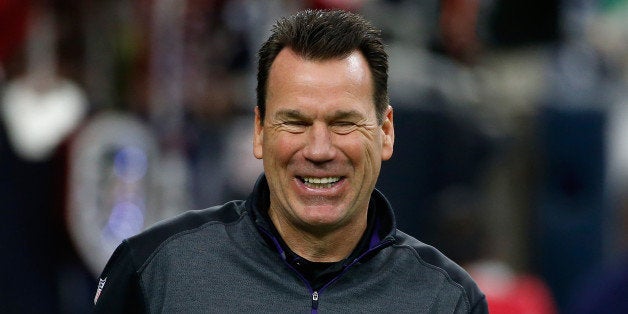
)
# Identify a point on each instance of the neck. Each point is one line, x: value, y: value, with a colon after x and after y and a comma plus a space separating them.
x: 331, y: 245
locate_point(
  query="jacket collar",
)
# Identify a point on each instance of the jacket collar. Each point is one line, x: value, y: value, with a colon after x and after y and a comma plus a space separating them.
x: 383, y: 223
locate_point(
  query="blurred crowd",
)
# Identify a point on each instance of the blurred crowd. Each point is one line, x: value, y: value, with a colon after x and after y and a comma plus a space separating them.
x: 511, y: 119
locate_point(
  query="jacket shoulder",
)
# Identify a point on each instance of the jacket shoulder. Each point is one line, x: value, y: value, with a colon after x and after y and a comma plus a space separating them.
x: 119, y: 289
x: 146, y: 242
x: 435, y: 260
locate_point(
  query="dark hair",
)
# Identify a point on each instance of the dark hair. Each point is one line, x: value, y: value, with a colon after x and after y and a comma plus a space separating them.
x: 325, y: 35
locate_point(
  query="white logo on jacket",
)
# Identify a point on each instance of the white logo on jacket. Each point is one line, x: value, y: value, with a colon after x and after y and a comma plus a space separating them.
x: 101, y: 285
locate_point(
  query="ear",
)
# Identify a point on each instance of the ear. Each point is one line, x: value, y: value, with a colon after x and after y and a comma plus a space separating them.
x: 258, y: 135
x: 389, y: 134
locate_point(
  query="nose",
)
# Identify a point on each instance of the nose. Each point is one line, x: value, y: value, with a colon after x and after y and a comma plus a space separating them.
x: 319, y: 147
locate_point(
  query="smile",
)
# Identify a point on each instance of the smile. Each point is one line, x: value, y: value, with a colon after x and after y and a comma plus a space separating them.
x: 319, y: 183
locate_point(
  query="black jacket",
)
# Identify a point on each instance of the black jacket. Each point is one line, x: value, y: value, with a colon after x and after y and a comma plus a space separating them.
x: 225, y: 259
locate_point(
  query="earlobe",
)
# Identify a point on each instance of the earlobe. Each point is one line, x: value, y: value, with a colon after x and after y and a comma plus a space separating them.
x: 258, y: 136
x: 389, y: 134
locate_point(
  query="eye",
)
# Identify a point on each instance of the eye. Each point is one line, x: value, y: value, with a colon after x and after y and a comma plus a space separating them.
x: 294, y: 126
x: 297, y: 123
x: 343, y: 127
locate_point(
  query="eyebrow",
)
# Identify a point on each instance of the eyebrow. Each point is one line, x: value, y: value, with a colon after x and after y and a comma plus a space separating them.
x: 290, y: 114
x: 346, y: 114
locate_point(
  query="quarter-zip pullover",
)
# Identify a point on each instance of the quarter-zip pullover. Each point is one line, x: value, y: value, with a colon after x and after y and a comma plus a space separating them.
x: 228, y: 258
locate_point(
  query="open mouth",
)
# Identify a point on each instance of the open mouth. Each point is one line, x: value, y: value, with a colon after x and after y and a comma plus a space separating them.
x: 319, y: 183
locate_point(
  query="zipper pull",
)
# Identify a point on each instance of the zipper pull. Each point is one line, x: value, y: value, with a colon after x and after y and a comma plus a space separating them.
x: 315, y: 300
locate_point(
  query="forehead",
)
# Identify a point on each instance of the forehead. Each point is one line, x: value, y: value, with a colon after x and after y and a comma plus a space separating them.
x: 334, y: 83
x: 289, y: 61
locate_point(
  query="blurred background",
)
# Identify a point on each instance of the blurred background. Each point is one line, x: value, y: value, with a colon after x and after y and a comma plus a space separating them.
x: 511, y: 150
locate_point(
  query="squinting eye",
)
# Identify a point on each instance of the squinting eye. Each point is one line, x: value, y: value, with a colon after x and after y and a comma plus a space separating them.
x: 343, y: 127
x: 294, y: 126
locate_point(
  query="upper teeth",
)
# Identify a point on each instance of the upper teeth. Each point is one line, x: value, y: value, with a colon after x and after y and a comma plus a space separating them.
x: 322, y: 180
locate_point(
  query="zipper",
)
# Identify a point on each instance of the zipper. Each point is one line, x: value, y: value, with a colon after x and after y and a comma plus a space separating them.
x: 283, y: 258
x: 315, y: 302
x: 315, y: 294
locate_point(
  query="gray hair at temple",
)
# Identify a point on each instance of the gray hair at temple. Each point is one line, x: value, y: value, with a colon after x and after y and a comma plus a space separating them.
x: 324, y: 35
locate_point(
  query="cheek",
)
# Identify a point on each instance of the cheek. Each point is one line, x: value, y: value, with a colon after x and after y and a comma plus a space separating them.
x: 359, y: 150
x: 281, y: 147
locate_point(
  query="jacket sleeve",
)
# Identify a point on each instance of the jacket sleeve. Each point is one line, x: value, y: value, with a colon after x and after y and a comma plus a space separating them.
x: 480, y: 307
x: 118, y: 288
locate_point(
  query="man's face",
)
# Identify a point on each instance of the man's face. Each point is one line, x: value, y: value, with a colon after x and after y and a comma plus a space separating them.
x: 321, y: 144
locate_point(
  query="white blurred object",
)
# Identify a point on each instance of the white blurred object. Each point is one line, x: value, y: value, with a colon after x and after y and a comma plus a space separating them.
x: 37, y: 121
x: 40, y: 108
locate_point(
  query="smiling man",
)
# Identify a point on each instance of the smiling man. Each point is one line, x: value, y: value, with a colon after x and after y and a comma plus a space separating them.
x: 314, y: 235
x: 322, y: 147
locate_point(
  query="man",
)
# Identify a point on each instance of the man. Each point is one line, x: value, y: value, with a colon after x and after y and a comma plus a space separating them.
x: 314, y: 234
